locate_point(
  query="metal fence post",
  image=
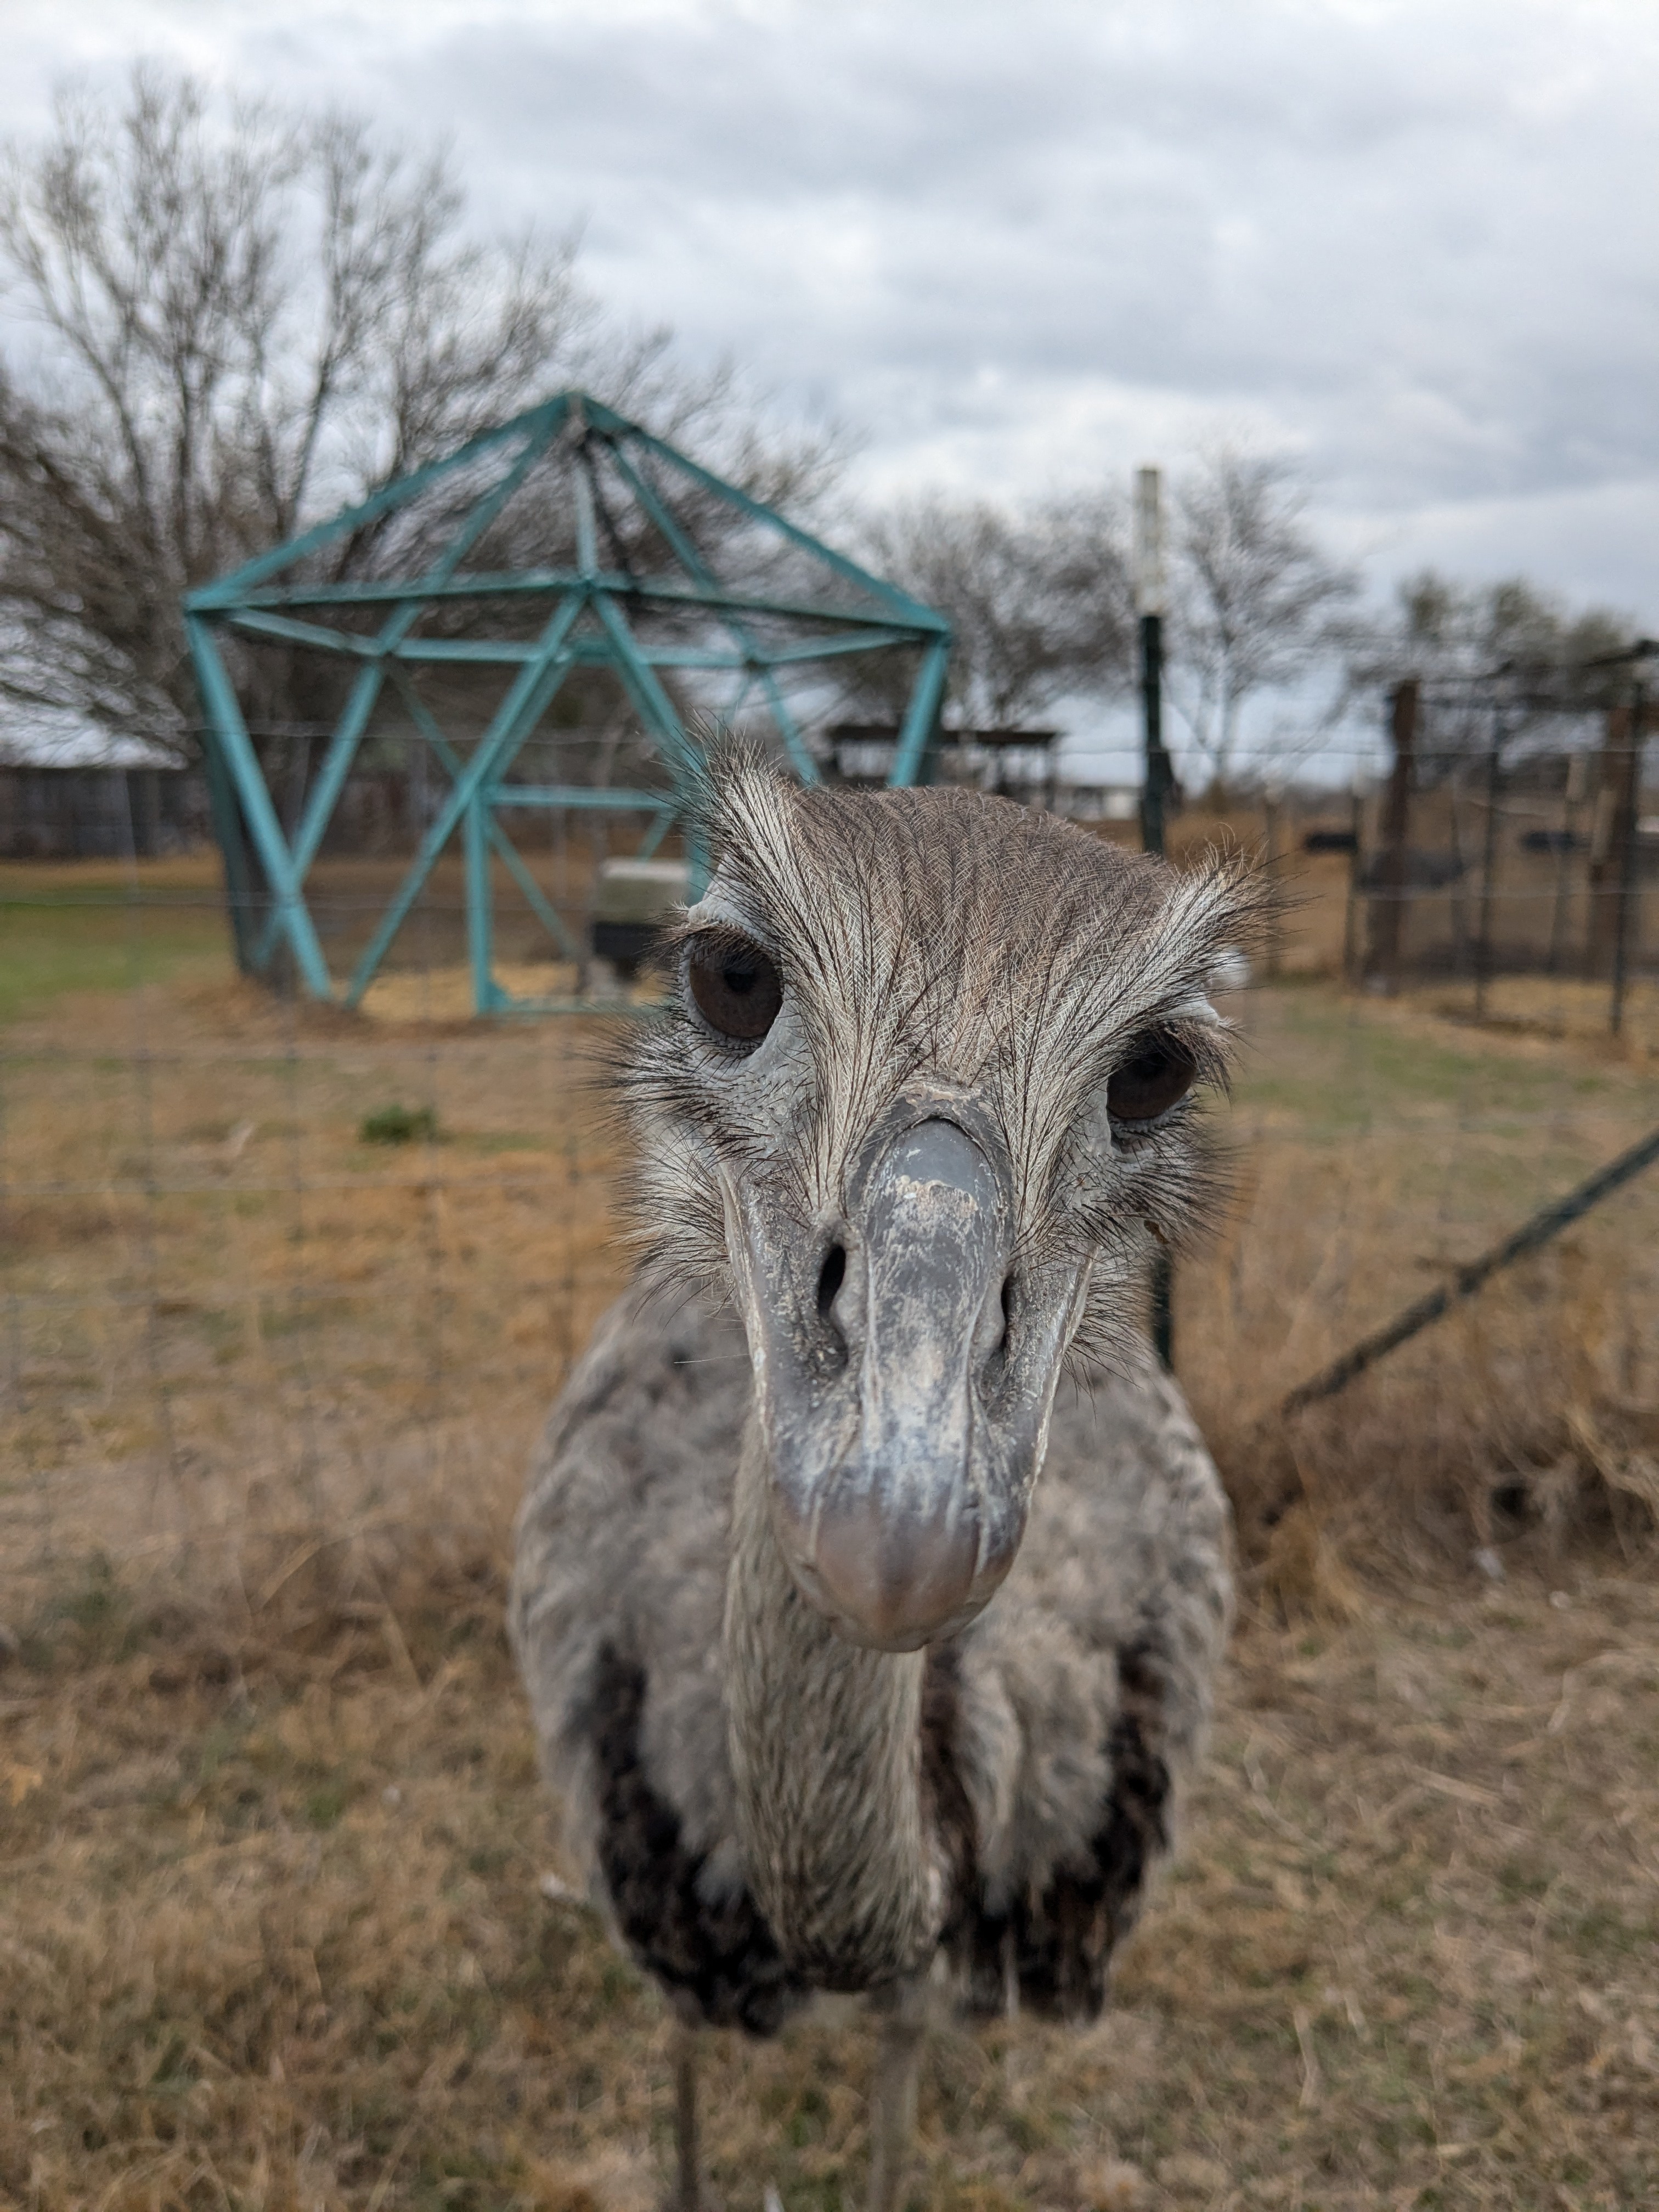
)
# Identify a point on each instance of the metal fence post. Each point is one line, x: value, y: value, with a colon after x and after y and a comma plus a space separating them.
x: 1156, y: 778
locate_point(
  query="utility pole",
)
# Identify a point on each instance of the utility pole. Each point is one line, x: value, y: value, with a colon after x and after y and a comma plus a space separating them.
x: 1157, y: 778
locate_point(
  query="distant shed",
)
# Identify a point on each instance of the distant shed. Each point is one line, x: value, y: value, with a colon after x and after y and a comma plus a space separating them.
x: 53, y: 813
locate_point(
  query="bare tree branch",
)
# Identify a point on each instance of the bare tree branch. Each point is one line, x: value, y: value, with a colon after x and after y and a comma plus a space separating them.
x: 1038, y: 601
x: 1465, y: 642
x: 1254, y: 595
x: 246, y: 319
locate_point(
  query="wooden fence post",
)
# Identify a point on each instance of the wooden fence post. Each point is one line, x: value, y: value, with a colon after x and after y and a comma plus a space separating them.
x: 1614, y: 832
x: 1573, y: 803
x: 1624, y: 910
x: 1389, y: 884
x: 1483, y: 947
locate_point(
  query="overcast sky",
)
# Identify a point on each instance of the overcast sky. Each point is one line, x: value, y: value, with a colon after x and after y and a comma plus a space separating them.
x: 1014, y: 246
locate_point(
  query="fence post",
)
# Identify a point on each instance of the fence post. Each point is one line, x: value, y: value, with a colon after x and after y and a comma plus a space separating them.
x: 1356, y: 864
x: 1148, y: 605
x: 1628, y: 826
x: 1572, y: 801
x: 1614, y: 806
x: 1488, y: 867
x: 1388, y: 905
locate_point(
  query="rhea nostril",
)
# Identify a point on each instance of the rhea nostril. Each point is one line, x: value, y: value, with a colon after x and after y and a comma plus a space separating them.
x: 831, y: 1276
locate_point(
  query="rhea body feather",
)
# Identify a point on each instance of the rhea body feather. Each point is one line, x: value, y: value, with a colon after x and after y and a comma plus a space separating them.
x: 763, y: 1808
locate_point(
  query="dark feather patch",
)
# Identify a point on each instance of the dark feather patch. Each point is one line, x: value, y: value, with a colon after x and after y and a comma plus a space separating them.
x: 944, y: 1800
x: 723, y: 1956
x: 1056, y: 1948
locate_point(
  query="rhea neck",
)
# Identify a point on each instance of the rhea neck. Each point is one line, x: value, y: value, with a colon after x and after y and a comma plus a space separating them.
x: 824, y: 1738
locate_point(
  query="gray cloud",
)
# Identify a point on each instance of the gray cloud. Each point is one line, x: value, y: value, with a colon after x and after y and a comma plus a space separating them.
x: 1412, y: 237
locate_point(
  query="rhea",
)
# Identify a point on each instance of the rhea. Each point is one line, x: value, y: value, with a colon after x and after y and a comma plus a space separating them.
x: 872, y: 1575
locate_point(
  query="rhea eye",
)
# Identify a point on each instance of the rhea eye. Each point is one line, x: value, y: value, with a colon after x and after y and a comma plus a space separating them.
x: 1159, y: 1071
x: 734, y: 985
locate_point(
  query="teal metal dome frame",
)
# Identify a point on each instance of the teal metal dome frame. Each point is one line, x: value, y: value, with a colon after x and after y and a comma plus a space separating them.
x: 657, y: 605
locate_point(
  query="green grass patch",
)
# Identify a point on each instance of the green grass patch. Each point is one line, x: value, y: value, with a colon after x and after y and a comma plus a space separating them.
x: 398, y: 1125
x: 1349, y: 1072
x: 59, y: 942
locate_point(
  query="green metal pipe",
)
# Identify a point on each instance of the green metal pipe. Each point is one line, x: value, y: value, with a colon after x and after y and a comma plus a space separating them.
x: 225, y: 713
x: 480, y: 907
x: 543, y: 582
x: 596, y: 797
x: 228, y: 828
x: 353, y: 720
x: 545, y: 913
x: 320, y: 803
x: 912, y: 611
x: 655, y: 708
x: 694, y: 565
x: 541, y: 422
x: 921, y: 716
x: 530, y: 691
x: 259, y: 623
x: 264, y: 599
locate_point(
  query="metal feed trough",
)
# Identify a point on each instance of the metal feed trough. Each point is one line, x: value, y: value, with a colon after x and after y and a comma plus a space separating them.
x: 567, y: 543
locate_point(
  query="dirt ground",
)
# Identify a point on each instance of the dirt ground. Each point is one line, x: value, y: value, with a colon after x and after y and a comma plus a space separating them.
x: 274, y: 1930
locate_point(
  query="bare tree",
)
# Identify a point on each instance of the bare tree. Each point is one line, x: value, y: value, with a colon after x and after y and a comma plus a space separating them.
x: 1444, y: 632
x: 1254, y: 595
x: 243, y: 316
x: 245, y: 319
x: 1038, y: 600
x: 1507, y: 662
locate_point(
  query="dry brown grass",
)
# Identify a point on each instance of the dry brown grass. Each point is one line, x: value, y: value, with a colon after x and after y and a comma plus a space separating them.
x: 272, y: 1934
x: 1560, y: 1010
x: 275, y: 1936
x: 1379, y: 1145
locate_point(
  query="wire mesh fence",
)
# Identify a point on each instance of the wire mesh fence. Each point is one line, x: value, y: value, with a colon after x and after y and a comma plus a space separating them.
x: 278, y: 1277
x: 273, y: 1276
x: 1502, y: 846
x: 287, y: 1291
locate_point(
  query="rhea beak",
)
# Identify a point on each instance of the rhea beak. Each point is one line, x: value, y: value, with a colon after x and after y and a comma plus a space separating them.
x: 904, y: 1379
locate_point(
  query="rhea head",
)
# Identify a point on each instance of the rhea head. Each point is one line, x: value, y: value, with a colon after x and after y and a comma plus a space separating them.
x: 925, y: 1106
